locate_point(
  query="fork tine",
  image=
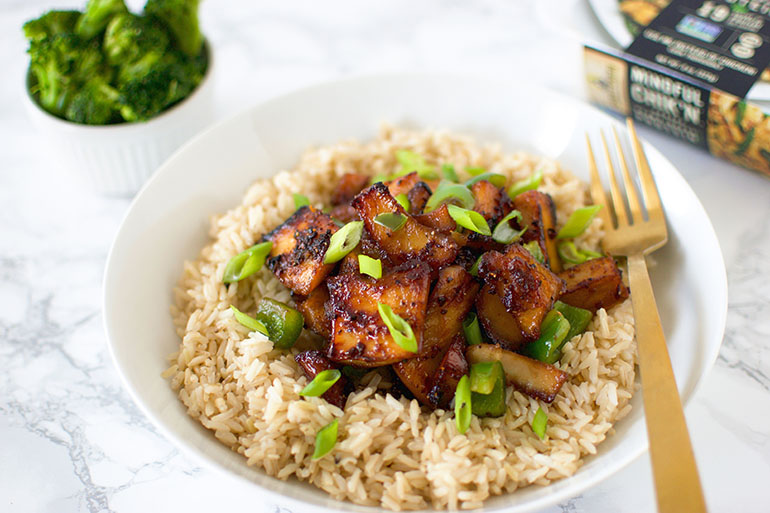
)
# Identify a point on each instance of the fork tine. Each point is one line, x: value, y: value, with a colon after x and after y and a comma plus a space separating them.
x: 633, y: 199
x: 649, y: 189
x: 617, y: 196
x: 597, y: 190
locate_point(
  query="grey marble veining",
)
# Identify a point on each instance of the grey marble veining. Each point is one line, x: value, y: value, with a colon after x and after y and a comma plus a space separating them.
x: 71, y: 439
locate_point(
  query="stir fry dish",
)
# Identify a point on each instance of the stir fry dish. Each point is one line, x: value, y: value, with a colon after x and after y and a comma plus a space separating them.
x: 460, y: 288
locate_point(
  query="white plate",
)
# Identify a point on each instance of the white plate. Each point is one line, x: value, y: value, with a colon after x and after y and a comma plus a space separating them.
x: 168, y: 222
x: 608, y: 12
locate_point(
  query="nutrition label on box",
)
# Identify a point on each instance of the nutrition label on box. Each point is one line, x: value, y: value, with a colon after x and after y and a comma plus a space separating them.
x: 725, y: 44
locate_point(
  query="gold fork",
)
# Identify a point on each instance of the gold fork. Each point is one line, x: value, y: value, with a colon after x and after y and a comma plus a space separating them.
x: 675, y: 474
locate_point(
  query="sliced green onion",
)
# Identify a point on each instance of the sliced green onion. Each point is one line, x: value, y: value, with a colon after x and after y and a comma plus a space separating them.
x: 448, y: 191
x: 489, y: 376
x: 246, y: 263
x: 463, y: 405
x: 578, y: 318
x: 325, y: 439
x: 573, y: 255
x: 391, y: 220
x: 300, y: 200
x: 495, y: 179
x: 448, y: 170
x: 475, y: 171
x: 527, y: 184
x: 475, y: 267
x: 504, y: 232
x: 249, y: 322
x: 403, y: 200
x: 370, y: 266
x: 411, y: 162
x: 344, y: 241
x: 535, y: 250
x: 578, y: 222
x: 378, y: 178
x: 483, y: 375
x: 283, y: 322
x: 322, y: 382
x: 472, y: 329
x: 553, y: 334
x: 539, y: 423
x: 469, y: 219
x: 399, y: 329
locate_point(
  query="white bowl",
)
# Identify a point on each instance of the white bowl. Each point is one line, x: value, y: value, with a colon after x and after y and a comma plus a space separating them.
x: 118, y: 159
x: 168, y: 222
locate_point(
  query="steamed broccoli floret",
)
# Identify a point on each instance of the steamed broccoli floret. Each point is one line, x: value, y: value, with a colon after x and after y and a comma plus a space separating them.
x: 96, y: 103
x: 129, y: 37
x: 52, y: 63
x: 181, y: 17
x: 168, y: 80
x: 97, y: 15
x: 50, y: 24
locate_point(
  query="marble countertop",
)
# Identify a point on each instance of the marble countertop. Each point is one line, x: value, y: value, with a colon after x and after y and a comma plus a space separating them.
x: 70, y: 437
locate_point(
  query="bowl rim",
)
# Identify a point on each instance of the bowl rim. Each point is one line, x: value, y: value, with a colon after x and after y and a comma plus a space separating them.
x: 43, y: 115
x: 561, y: 494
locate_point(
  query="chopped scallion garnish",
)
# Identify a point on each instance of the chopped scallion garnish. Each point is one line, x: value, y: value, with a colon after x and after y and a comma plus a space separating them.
x: 539, y: 423
x: 469, y: 219
x: 378, y: 178
x: 399, y: 329
x: 300, y: 200
x: 343, y: 241
x: 403, y: 200
x: 535, y: 250
x: 527, y: 184
x: 448, y: 191
x: 504, y: 232
x: 370, y: 266
x: 246, y: 263
x: 391, y: 220
x: 463, y: 405
x: 448, y: 170
x: 475, y: 171
x: 495, y: 179
x: 472, y: 329
x: 571, y: 254
x: 411, y: 162
x: 249, y: 322
x: 322, y: 382
x: 325, y: 439
x: 578, y: 222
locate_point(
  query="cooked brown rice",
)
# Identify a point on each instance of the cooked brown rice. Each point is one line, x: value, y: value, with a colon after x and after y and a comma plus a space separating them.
x: 390, y: 451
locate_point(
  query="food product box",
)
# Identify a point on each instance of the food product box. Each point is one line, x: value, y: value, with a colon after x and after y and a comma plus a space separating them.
x: 687, y: 74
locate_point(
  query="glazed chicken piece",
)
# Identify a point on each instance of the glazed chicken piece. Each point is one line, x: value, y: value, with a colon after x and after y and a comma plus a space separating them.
x: 493, y: 204
x: 538, y: 213
x: 452, y: 367
x: 499, y: 325
x: 349, y: 185
x: 534, y: 378
x: 594, y: 284
x: 359, y: 335
x: 449, y: 303
x: 412, y: 240
x: 525, y: 287
x: 299, y: 247
x: 438, y: 219
x: 314, y: 362
x: 313, y: 309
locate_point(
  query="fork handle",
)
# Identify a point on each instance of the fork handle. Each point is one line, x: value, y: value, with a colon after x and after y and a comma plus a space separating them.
x: 677, y: 485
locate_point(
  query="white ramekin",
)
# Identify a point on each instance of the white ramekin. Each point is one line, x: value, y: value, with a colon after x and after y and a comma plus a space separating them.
x: 117, y: 159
